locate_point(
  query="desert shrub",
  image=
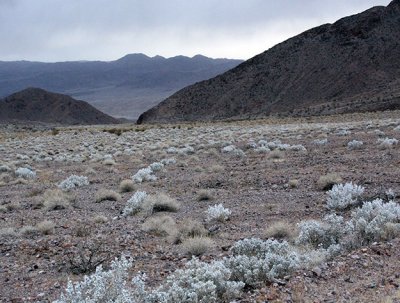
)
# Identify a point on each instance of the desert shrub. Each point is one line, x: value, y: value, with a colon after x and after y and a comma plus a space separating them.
x: 168, y: 161
x: 354, y: 144
x: 25, y: 173
x: 56, y: 199
x: 280, y: 230
x: 134, y: 204
x: 106, y: 195
x: 29, y: 231
x: 46, y: 227
x: 233, y: 150
x: 160, y: 226
x: 320, y: 142
x: 100, y: 219
x: 204, y: 195
x: 72, y: 182
x: 343, y: 132
x: 158, y: 203
x: 326, y: 182
x: 102, y: 286
x: 197, y: 246
x: 330, y: 231
x: 293, y: 183
x: 9, y: 207
x: 127, y: 185
x: 255, y: 261
x: 156, y: 166
x: 8, y: 232
x: 375, y: 221
x: 343, y: 196
x: 144, y: 174
x: 387, y: 142
x: 109, y: 162
x: 218, y: 213
x: 276, y: 154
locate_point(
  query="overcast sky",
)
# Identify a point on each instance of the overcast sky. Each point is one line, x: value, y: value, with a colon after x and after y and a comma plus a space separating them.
x: 61, y: 30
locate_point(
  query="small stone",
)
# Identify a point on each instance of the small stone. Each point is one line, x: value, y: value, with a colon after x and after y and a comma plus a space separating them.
x: 317, y: 271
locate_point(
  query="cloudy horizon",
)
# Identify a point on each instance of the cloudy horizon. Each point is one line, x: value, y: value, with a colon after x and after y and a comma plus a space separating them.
x: 55, y: 30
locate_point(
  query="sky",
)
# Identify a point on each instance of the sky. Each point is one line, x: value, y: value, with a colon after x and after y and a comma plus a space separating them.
x: 67, y: 30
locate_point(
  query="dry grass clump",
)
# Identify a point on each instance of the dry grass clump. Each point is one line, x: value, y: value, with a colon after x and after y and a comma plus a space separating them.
x: 29, y: 231
x: 100, y: 219
x: 46, y: 227
x: 327, y: 181
x: 56, y: 199
x: 276, y: 155
x: 293, y: 183
x: 197, y: 246
x: 204, y: 195
x: 189, y: 228
x: 127, y: 186
x: 8, y: 232
x: 9, y: 207
x: 280, y: 230
x: 109, y: 162
x: 216, y: 169
x: 159, y: 203
x: 107, y: 195
x: 160, y: 226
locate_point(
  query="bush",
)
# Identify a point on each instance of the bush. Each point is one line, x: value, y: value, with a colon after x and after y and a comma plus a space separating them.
x: 46, y: 227
x: 158, y: 203
x: 126, y: 185
x: 354, y: 144
x: 387, y: 142
x: 26, y: 173
x: 218, y: 213
x: 144, y: 174
x: 344, y: 196
x: 375, y: 221
x: 197, y: 246
x: 204, y: 195
x: 330, y: 231
x: 279, y: 230
x: 160, y: 226
x: 106, y: 194
x: 134, y: 204
x: 327, y: 181
x: 56, y: 199
x: 72, y: 182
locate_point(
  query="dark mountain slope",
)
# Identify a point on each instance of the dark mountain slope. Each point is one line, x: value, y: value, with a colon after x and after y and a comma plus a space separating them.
x: 123, y: 88
x: 349, y: 66
x: 34, y: 104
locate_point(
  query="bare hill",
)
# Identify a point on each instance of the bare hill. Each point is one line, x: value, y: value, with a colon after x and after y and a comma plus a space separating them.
x: 352, y: 65
x: 34, y: 104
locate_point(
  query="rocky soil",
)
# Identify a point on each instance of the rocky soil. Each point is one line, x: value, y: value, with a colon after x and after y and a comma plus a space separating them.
x: 258, y: 186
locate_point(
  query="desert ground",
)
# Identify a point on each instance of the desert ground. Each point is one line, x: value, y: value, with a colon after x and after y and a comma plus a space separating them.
x: 263, y: 172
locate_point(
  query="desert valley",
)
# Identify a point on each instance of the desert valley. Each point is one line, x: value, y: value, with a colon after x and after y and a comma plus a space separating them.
x: 272, y: 180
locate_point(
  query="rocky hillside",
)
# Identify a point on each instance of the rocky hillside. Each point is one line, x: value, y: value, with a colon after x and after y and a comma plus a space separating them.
x: 34, y: 104
x: 122, y: 88
x: 352, y: 65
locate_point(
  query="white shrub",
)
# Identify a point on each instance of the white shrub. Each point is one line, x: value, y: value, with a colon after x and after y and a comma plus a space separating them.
x: 156, y: 166
x: 343, y: 132
x: 134, y: 204
x: 218, y: 213
x: 371, y: 221
x: 73, y: 181
x: 255, y: 261
x: 397, y: 128
x: 102, y: 286
x: 355, y: 144
x: 342, y: 196
x: 25, y: 173
x: 228, y: 149
x: 387, y: 142
x: 168, y: 161
x: 144, y: 174
x: 330, y: 231
x: 320, y: 142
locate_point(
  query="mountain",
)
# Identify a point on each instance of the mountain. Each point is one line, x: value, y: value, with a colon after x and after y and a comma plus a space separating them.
x: 122, y: 88
x: 352, y: 65
x: 34, y: 104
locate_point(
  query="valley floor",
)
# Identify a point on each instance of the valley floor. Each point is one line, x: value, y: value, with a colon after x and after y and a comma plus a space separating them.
x: 262, y: 178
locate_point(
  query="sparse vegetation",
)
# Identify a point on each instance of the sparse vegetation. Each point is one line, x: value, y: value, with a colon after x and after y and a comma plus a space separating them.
x: 107, y: 195
x: 326, y: 182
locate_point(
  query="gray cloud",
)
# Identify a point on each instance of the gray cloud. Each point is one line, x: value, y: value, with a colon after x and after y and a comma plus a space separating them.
x: 54, y: 30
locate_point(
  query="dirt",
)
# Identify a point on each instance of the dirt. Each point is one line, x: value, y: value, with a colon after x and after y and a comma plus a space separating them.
x: 254, y: 187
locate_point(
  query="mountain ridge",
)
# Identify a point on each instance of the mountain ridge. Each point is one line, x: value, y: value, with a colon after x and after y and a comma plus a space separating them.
x: 123, y: 88
x: 350, y: 65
